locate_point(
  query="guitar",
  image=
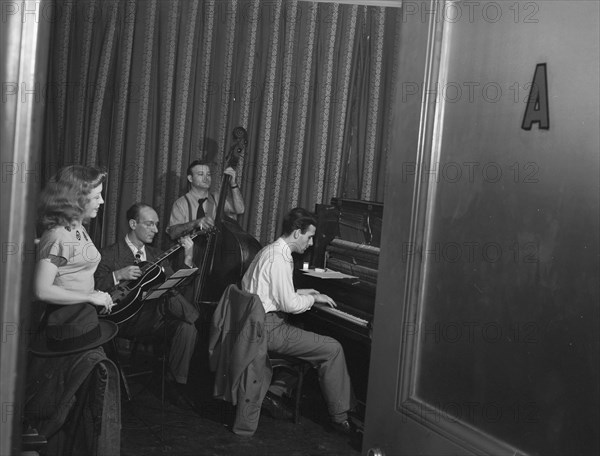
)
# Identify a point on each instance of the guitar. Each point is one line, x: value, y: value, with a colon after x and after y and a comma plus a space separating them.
x: 127, y: 294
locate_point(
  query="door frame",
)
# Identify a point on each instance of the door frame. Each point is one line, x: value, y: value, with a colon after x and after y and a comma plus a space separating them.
x: 423, y: 65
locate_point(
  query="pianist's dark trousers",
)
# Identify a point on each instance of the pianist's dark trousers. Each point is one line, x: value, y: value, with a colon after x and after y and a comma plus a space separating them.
x: 323, y: 352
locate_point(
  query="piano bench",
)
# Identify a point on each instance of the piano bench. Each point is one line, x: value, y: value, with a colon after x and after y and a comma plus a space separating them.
x: 296, y: 367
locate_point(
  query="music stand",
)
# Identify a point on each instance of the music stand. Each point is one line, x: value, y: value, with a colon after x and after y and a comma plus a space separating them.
x: 173, y: 282
x: 160, y: 292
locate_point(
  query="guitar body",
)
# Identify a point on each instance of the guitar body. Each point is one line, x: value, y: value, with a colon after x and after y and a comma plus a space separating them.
x: 128, y: 295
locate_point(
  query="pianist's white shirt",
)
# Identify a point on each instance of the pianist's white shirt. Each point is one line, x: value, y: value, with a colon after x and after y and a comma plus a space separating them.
x: 270, y: 276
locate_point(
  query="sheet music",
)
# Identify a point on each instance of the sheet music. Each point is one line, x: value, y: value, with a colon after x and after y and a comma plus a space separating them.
x: 171, y: 282
x: 327, y: 274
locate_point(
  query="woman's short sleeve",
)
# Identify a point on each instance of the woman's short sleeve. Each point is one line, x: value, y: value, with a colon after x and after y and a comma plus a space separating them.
x: 55, y: 247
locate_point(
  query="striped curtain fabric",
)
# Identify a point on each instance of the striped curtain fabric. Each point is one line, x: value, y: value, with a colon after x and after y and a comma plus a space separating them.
x: 143, y: 87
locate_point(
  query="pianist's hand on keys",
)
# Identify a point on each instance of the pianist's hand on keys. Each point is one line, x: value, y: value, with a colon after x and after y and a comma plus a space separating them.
x: 318, y: 296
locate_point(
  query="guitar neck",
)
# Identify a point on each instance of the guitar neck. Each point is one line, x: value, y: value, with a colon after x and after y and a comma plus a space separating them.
x: 167, y: 253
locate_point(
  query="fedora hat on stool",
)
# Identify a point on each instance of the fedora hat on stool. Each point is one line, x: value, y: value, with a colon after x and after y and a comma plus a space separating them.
x: 72, y: 329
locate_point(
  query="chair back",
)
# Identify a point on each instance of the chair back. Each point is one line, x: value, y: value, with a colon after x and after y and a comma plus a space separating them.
x: 238, y: 356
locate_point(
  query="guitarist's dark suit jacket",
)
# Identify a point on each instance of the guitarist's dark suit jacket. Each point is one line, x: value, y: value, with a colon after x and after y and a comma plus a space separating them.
x: 177, y: 313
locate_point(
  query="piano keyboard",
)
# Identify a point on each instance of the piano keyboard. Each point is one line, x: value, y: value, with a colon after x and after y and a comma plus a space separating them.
x: 341, y: 314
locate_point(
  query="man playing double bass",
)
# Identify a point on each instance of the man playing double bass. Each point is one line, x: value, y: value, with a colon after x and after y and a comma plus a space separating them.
x: 217, y: 256
x: 197, y: 208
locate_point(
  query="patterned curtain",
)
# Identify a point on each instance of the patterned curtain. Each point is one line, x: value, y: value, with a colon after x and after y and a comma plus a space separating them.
x: 143, y: 87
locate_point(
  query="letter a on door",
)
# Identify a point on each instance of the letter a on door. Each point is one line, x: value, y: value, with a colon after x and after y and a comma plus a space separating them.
x: 537, y: 110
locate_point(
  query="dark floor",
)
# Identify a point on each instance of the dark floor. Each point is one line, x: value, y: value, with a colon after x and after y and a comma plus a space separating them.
x: 202, y: 427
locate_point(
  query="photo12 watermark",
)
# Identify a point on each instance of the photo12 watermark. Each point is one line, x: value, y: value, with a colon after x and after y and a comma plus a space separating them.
x: 472, y: 332
x: 37, y: 172
x: 472, y: 252
x: 72, y: 11
x: 490, y: 92
x: 472, y: 412
x: 491, y: 12
x: 471, y: 172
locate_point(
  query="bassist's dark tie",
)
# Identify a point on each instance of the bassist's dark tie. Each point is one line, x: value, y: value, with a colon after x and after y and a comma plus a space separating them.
x: 200, y: 213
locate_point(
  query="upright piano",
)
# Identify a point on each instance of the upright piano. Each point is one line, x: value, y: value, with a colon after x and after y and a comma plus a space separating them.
x: 347, y: 240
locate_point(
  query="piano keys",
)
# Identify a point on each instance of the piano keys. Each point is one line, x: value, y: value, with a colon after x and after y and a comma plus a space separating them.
x: 353, y: 298
x: 337, y: 312
x: 343, y: 314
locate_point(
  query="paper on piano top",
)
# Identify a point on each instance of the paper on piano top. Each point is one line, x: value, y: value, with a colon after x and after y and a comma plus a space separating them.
x: 327, y: 274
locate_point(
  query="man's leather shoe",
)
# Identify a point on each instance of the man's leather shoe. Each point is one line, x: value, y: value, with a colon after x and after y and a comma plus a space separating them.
x: 276, y: 408
x: 345, y: 427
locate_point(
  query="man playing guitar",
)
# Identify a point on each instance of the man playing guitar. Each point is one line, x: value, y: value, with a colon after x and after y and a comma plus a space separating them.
x: 122, y: 262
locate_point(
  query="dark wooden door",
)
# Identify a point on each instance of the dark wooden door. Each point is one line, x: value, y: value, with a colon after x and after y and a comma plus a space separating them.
x: 486, y: 329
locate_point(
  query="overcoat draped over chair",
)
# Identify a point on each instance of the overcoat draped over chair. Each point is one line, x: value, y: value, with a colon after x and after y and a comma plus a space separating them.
x: 238, y: 356
x: 74, y: 401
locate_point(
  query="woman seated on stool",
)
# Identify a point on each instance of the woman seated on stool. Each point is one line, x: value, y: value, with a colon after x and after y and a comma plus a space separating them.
x: 68, y: 349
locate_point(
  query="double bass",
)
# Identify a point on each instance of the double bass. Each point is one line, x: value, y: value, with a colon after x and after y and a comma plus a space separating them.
x: 229, y: 249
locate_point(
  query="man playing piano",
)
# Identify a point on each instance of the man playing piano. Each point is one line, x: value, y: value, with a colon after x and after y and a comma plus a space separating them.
x: 270, y: 277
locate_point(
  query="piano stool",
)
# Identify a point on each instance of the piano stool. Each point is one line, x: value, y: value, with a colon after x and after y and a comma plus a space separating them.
x: 295, y: 366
